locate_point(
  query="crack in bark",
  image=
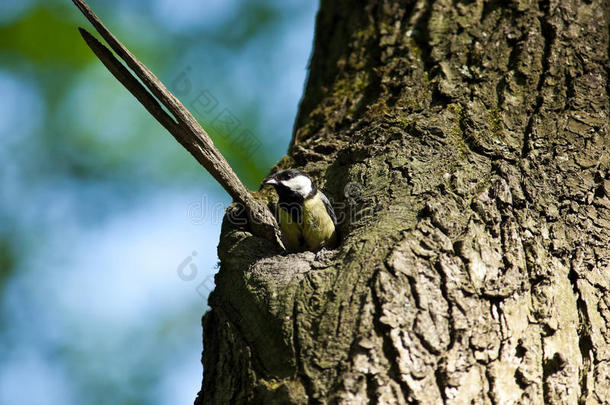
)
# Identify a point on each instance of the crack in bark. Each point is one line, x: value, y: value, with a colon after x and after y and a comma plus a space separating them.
x: 548, y: 34
x: 450, y: 304
x: 585, y: 344
x: 422, y: 38
x: 490, y: 380
x: 371, y: 389
x: 440, y: 377
x: 307, y: 382
x: 388, y: 348
x: 550, y: 367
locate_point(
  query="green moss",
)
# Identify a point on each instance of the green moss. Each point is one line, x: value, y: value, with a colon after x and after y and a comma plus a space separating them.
x: 461, y: 145
x: 361, y: 82
x: 405, y: 122
x: 455, y: 108
x: 271, y: 384
x: 414, y: 50
x: 367, y: 32
x: 495, y: 122
x: 456, y: 132
x: 280, y: 392
x: 341, y: 88
x: 350, y: 87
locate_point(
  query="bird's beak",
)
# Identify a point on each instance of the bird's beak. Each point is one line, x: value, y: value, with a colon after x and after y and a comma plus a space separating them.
x: 270, y: 181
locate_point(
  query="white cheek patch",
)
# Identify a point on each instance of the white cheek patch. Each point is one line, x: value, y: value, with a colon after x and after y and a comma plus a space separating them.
x: 299, y: 184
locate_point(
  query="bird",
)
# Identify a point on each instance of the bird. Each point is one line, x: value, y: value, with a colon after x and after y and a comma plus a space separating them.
x: 305, y: 215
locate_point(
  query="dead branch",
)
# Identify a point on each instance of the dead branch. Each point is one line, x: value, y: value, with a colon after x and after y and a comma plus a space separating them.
x: 184, y: 127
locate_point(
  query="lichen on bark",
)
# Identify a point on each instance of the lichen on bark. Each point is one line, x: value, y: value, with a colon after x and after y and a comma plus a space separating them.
x: 475, y: 255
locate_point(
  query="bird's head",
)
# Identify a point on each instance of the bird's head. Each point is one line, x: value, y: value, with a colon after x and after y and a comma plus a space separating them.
x: 291, y: 182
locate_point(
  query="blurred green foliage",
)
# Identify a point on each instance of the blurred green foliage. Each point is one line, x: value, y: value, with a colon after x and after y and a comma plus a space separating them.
x: 42, y: 38
x: 7, y: 260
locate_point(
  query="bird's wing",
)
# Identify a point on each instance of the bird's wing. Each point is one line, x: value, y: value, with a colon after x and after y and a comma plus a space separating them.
x: 329, y: 208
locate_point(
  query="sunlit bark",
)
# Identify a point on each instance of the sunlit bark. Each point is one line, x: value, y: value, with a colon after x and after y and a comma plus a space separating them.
x: 466, y: 144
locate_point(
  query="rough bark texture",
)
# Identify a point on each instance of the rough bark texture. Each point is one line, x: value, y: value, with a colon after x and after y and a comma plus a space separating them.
x: 468, y: 143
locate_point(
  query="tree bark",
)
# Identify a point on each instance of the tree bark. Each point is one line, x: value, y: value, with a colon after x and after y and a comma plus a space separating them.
x: 465, y: 144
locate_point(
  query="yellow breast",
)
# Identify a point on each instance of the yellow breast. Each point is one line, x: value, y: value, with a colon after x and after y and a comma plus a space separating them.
x: 315, y: 231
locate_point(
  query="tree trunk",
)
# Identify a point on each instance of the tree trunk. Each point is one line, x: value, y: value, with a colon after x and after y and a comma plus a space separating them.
x: 465, y: 144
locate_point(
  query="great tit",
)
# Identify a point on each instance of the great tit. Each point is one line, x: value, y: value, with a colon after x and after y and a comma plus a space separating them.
x: 305, y: 215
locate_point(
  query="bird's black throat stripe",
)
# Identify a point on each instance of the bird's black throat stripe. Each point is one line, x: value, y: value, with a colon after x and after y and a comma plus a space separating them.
x: 292, y: 202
